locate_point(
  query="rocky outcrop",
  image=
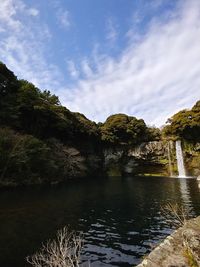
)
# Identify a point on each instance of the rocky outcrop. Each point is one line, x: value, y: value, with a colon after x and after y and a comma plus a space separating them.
x: 151, y: 158
x: 147, y: 158
x: 181, y: 249
x: 192, y: 159
x: 149, y: 150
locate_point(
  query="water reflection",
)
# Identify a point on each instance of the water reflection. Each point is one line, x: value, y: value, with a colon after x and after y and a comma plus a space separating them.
x: 121, y: 218
x: 185, y: 194
x: 198, y: 182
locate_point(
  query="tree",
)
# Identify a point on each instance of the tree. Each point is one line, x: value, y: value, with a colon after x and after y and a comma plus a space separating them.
x: 154, y: 134
x: 185, y: 124
x: 68, y: 160
x: 49, y: 98
x: 123, y: 129
x: 24, y: 159
x: 8, y: 97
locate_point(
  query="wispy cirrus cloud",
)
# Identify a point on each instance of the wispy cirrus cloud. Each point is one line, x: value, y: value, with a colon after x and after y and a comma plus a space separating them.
x: 86, y: 68
x: 156, y: 74
x: 74, y: 73
x: 63, y: 18
x: 111, y: 31
x: 33, y: 12
x: 8, y: 13
x: 152, y: 79
x: 62, y: 14
x: 23, y: 44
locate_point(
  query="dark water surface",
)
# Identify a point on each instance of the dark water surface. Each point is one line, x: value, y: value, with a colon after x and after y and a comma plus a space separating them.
x: 121, y: 217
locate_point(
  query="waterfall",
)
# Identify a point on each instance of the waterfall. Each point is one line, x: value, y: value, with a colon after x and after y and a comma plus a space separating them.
x: 179, y: 157
x: 169, y: 159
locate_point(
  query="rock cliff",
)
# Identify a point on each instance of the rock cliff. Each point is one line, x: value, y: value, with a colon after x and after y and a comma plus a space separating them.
x: 151, y: 158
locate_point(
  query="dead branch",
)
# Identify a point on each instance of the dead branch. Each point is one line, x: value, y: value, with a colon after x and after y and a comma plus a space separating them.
x: 64, y: 251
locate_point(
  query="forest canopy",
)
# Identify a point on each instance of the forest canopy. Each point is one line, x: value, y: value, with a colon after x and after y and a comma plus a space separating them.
x: 185, y: 124
x: 124, y: 129
x: 27, y: 109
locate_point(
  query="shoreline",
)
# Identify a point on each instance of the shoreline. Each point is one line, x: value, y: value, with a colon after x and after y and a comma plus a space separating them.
x: 181, y: 248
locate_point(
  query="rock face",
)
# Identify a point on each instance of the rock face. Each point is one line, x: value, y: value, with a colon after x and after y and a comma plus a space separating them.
x: 149, y: 150
x: 151, y: 158
x: 148, y: 158
x: 192, y: 159
x: 181, y: 249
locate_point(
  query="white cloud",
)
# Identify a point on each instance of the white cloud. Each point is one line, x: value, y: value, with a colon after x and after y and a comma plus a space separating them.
x: 33, y: 12
x: 8, y: 11
x: 86, y: 68
x: 156, y: 75
x: 72, y: 69
x: 63, y: 18
x: 152, y: 79
x: 62, y: 14
x: 23, y: 44
x: 111, y: 29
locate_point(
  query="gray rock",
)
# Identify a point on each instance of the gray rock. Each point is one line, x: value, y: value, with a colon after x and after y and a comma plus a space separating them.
x: 174, y: 250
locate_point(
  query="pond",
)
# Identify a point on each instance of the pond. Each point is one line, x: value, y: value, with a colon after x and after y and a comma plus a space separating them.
x: 121, y: 218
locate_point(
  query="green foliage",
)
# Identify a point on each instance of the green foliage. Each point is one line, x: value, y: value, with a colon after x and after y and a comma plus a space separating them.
x: 194, y: 164
x: 185, y: 124
x: 86, y: 132
x: 49, y: 98
x: 45, y: 140
x: 46, y: 137
x: 189, y: 255
x: 25, y: 159
x: 68, y: 160
x: 8, y: 96
x: 123, y: 129
x: 154, y: 134
x: 27, y: 109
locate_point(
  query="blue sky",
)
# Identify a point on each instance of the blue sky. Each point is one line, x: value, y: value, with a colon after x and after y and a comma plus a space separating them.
x: 140, y: 57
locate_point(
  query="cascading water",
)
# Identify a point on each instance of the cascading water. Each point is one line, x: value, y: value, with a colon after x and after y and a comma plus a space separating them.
x: 180, y: 162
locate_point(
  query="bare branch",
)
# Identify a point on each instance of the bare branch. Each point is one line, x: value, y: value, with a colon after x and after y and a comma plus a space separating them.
x: 179, y: 213
x: 64, y: 251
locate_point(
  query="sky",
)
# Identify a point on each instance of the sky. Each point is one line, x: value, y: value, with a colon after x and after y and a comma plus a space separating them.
x: 101, y: 57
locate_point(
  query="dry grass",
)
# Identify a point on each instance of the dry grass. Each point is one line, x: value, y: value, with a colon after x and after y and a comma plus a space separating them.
x: 179, y: 213
x: 64, y: 251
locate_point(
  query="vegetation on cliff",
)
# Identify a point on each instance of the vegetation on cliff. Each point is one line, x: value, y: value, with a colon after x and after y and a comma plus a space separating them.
x: 42, y: 141
x: 122, y: 129
x: 185, y: 124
